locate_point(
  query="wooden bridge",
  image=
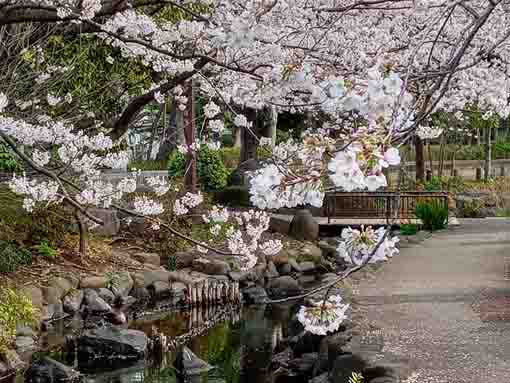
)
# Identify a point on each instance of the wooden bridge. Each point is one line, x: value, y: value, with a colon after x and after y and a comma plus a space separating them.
x: 367, y: 208
x: 387, y: 207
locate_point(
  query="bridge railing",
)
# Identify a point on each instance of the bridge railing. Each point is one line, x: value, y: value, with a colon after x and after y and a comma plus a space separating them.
x: 386, y: 205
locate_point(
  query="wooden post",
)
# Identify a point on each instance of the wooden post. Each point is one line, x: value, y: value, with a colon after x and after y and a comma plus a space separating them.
x: 455, y: 172
x: 478, y: 174
x: 502, y: 171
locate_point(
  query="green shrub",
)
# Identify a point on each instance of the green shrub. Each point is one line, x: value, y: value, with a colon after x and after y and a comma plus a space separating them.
x: 8, y: 162
x: 15, y: 309
x: 211, y: 170
x: 435, y: 184
x: 503, y: 212
x: 408, y: 229
x: 45, y: 250
x: 233, y: 196
x: 12, y: 256
x: 471, y: 209
x: 433, y: 215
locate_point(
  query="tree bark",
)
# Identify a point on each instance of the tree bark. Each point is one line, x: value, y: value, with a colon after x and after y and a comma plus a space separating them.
x: 420, y: 159
x: 84, y: 235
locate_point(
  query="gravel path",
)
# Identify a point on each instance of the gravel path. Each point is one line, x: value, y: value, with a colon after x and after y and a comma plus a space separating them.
x: 443, y: 306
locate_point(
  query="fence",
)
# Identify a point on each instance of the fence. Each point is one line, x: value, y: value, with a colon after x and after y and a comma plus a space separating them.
x: 379, y: 205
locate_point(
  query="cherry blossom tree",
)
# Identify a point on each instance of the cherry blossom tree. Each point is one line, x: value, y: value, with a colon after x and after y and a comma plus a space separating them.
x: 368, y: 73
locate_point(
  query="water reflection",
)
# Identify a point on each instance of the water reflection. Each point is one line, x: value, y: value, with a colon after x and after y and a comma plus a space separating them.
x: 240, y: 349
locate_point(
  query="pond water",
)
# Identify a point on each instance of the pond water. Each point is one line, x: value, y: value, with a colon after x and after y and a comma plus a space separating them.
x: 239, y: 348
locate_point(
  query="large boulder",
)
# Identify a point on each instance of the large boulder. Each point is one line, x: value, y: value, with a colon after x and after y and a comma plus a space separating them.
x: 211, y: 266
x: 271, y: 271
x: 53, y: 311
x: 122, y: 284
x: 304, y: 226
x: 184, y: 259
x: 111, y: 347
x: 160, y: 290
x: 148, y: 258
x: 61, y: 286
x: 303, y: 365
x: 94, y: 304
x: 72, y: 301
x: 255, y: 295
x: 47, y: 370
x: 188, y: 364
x: 285, y: 269
x: 310, y: 252
x: 93, y: 282
x: 307, y: 267
x: 107, y: 295
x: 305, y: 343
x: 151, y: 276
x: 178, y: 293
x: 283, y: 287
x: 344, y: 366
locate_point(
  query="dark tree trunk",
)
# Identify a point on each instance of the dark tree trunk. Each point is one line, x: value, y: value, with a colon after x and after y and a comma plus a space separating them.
x: 420, y: 159
x: 84, y: 235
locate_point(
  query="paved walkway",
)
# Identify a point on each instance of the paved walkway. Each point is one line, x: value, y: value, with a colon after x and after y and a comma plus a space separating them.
x: 443, y: 306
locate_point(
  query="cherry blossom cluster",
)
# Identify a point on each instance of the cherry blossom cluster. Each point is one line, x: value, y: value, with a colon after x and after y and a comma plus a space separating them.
x: 35, y: 191
x: 243, y: 233
x: 428, y: 132
x: 183, y: 205
x: 323, y: 317
x: 160, y: 185
x: 356, y: 246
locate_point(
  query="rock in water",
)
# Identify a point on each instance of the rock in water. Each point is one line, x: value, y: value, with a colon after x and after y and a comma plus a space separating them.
x: 187, y: 363
x: 111, y: 347
x: 47, y: 370
x: 283, y: 287
x: 304, y: 226
x: 255, y: 295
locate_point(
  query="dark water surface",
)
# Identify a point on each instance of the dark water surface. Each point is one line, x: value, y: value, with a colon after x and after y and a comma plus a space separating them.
x: 239, y: 348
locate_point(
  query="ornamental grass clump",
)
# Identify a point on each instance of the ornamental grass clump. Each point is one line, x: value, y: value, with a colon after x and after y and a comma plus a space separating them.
x: 15, y: 309
x: 433, y: 215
